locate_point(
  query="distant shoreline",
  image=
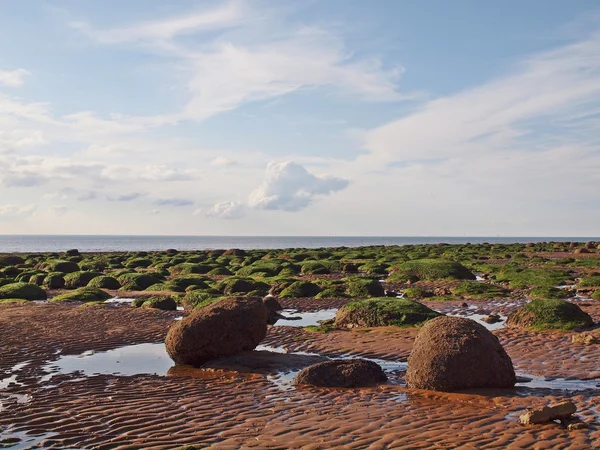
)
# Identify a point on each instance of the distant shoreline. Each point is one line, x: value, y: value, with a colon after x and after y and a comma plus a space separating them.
x: 107, y: 243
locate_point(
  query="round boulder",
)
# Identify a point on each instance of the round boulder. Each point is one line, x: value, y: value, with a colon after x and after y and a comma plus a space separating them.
x: 454, y: 353
x: 223, y: 328
x: 383, y: 312
x: 547, y: 314
x: 343, y: 373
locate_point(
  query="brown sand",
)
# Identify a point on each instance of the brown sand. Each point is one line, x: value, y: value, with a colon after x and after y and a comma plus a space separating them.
x: 236, y: 403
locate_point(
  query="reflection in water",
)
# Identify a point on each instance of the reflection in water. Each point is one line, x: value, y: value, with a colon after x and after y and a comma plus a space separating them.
x: 307, y: 318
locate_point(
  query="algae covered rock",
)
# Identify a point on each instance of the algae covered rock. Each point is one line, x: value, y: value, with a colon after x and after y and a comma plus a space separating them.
x: 223, y: 328
x: 431, y: 269
x: 381, y: 312
x: 104, y: 282
x: 550, y: 314
x: 454, y: 353
x: 162, y: 302
x: 342, y: 373
x: 24, y: 291
x: 85, y: 294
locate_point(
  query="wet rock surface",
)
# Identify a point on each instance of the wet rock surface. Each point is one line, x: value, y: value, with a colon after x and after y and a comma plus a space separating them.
x: 342, y: 373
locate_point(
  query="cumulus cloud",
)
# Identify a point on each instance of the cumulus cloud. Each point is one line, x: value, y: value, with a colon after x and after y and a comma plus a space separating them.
x: 224, y: 210
x: 13, y: 78
x: 290, y: 187
x: 173, y: 202
x: 12, y: 211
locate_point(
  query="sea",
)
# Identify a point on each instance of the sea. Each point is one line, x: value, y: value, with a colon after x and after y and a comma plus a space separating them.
x: 106, y: 243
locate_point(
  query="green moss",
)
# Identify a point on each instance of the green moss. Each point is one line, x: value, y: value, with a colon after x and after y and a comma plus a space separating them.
x: 314, y: 268
x: 188, y: 268
x: 596, y: 295
x: 417, y: 292
x: 533, y: 277
x: 138, y: 262
x: 85, y: 294
x: 12, y: 301
x: 333, y: 292
x: 319, y: 328
x: 23, y: 291
x: 550, y: 314
x: 548, y: 293
x: 476, y: 289
x: 235, y: 285
x: 220, y: 271
x: 60, y: 265
x: 593, y: 281
x: 380, y: 312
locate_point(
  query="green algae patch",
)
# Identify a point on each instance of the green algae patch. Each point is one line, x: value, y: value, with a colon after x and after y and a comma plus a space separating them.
x: 476, y: 289
x: 541, y: 293
x: 382, y: 312
x: 533, y: 277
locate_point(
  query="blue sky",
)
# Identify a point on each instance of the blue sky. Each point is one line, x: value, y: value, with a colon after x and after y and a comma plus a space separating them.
x: 311, y: 117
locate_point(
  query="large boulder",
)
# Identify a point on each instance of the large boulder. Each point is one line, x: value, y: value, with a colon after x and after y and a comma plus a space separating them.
x: 224, y: 328
x: 550, y: 314
x: 454, y: 353
x: 24, y: 291
x: 382, y: 312
x: 344, y: 373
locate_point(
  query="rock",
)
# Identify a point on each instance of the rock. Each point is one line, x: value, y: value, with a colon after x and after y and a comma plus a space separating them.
x: 464, y: 305
x: 383, y: 312
x: 584, y: 338
x: 581, y: 250
x: 343, y: 373
x: 550, y: 314
x: 162, y: 302
x: 271, y: 303
x: 223, y: 328
x: 492, y: 318
x: 72, y: 252
x: 440, y: 292
x: 574, y: 423
x: 548, y: 413
x: 454, y: 353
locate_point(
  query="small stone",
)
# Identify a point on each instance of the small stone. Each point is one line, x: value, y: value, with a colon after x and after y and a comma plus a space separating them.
x: 492, y: 318
x: 545, y: 414
x: 584, y: 338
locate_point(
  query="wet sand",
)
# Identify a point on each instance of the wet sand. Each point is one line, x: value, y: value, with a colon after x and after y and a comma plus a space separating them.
x: 247, y: 401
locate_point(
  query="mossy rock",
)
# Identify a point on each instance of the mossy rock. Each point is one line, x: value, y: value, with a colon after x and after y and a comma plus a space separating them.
x: 166, y: 286
x: 550, y: 314
x: 596, y: 295
x: 54, y: 281
x: 13, y: 301
x: 364, y: 287
x: 24, y: 291
x: 548, y: 293
x: 61, y: 265
x: 196, y: 299
x: 314, y: 268
x: 79, y: 279
x: 218, y: 271
x: 432, y: 269
x: 333, y: 292
x: 11, y: 260
x: 188, y: 268
x: 137, y: 280
x: 477, y: 289
x: 300, y: 289
x: 189, y: 280
x: 417, y: 292
x: 135, y: 263
x: 104, y: 282
x: 593, y: 281
x: 37, y: 279
x: 85, y: 294
x: 381, y: 312
x: 234, y: 285
x: 164, y: 303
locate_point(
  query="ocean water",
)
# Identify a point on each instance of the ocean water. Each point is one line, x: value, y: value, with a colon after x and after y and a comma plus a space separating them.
x: 57, y: 243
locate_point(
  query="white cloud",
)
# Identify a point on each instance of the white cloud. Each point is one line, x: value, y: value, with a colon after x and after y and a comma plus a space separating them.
x: 173, y: 202
x: 290, y: 187
x: 224, y: 210
x: 12, y: 211
x: 225, y: 16
x: 13, y: 78
x: 125, y: 197
x: 221, y: 161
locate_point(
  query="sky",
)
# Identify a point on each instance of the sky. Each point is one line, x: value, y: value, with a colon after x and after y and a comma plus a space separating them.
x: 332, y: 117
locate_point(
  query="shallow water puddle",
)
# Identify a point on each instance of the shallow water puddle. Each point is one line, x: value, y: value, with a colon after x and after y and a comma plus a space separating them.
x: 120, y: 300
x: 559, y: 384
x: 306, y: 318
x: 479, y: 318
x: 5, y: 382
x: 20, y: 440
x: 140, y: 359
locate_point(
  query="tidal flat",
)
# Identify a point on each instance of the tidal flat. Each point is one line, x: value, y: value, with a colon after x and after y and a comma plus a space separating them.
x: 83, y: 361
